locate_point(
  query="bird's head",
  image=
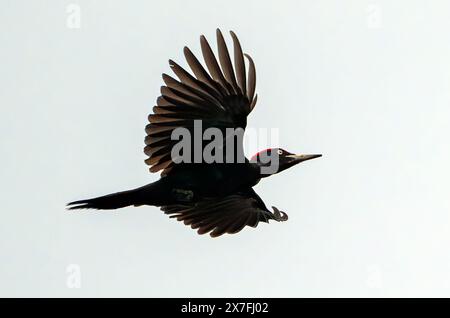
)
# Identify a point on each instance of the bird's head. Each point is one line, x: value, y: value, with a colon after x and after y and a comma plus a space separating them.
x: 275, y: 160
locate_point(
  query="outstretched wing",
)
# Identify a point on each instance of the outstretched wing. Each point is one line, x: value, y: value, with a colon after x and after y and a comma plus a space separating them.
x: 229, y: 214
x: 221, y: 97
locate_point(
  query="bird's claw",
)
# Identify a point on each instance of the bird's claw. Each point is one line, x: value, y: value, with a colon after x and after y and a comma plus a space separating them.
x: 278, y: 215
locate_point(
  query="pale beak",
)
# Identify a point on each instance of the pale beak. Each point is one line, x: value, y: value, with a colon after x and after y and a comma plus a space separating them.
x: 301, y: 158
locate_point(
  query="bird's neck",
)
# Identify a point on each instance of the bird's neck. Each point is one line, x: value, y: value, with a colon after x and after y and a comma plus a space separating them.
x: 261, y: 171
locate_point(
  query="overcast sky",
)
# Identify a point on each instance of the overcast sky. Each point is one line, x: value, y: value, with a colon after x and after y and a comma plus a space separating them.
x: 365, y: 83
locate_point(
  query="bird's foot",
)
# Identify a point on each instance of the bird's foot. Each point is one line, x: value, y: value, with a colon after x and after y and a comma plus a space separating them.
x: 182, y: 195
x: 278, y: 215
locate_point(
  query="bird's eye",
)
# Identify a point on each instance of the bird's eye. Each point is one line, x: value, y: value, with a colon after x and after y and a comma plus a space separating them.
x: 280, y: 152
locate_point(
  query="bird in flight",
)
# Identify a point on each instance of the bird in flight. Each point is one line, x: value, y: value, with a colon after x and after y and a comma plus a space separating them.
x: 212, y: 197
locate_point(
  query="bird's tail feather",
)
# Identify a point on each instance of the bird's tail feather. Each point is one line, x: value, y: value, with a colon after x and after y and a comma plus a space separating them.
x: 108, y: 202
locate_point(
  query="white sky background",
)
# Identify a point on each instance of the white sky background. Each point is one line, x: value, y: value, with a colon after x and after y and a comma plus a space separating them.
x: 366, y: 83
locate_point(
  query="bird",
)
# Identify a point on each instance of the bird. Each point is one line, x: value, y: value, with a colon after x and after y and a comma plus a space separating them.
x: 211, y: 197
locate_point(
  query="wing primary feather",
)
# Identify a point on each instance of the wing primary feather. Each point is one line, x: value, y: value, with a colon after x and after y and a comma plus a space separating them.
x: 191, y: 91
x: 221, y: 228
x: 240, y: 223
x: 161, y: 101
x: 162, y: 164
x: 189, y: 80
x: 178, y: 97
x: 184, y: 76
x: 162, y: 110
x: 225, y: 61
x: 211, y: 224
x: 252, y: 105
x: 211, y: 64
x: 150, y: 140
x: 152, y: 129
x: 173, y: 83
x: 251, y: 81
x: 201, y: 73
x: 239, y: 64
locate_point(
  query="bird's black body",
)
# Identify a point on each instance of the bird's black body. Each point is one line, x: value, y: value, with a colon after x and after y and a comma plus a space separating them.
x: 213, y: 180
x: 215, y: 197
x: 189, y: 184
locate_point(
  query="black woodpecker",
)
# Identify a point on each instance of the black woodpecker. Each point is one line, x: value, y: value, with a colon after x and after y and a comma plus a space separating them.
x: 211, y: 197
